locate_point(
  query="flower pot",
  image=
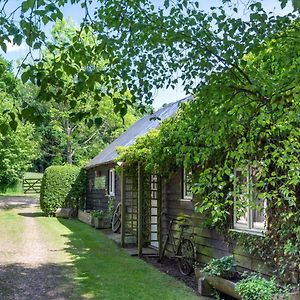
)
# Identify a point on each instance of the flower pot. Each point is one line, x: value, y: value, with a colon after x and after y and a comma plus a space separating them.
x: 85, y: 217
x: 101, y: 223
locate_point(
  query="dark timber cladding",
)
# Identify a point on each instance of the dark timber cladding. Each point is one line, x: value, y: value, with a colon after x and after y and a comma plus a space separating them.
x: 209, y: 243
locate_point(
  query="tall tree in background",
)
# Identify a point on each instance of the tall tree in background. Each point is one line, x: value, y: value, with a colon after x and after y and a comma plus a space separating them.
x: 67, y: 135
x: 18, y: 148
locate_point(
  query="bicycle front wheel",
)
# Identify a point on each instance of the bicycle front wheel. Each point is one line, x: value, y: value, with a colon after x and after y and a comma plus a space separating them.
x: 186, y: 257
x: 116, y: 219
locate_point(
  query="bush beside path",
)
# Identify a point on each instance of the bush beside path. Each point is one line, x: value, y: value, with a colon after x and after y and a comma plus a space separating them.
x: 49, y: 258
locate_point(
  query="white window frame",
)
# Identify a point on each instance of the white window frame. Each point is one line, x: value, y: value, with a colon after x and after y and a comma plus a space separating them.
x: 250, y: 226
x: 186, y: 195
x: 111, y: 182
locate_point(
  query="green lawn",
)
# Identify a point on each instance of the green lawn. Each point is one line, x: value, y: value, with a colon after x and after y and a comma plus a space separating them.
x: 104, y: 271
x: 94, y: 266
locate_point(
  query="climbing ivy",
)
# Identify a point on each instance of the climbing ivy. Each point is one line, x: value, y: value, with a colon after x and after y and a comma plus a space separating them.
x: 230, y: 125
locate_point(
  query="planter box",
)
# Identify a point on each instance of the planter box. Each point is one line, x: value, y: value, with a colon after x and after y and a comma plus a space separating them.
x: 65, y: 213
x: 101, y: 224
x: 292, y: 296
x: 228, y: 287
x: 85, y: 217
x: 223, y: 285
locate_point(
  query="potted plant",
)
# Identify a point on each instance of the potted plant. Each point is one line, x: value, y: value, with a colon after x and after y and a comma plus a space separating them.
x: 101, y: 219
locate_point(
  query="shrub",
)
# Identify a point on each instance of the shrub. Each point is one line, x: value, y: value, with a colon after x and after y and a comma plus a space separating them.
x: 62, y: 186
x: 255, y: 287
x: 224, y: 267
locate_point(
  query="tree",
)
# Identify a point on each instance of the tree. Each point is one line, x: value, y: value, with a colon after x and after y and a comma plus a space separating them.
x: 146, y: 47
x: 68, y: 136
x: 17, y: 146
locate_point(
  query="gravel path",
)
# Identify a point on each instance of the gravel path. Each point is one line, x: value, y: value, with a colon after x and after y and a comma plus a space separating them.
x: 32, y: 263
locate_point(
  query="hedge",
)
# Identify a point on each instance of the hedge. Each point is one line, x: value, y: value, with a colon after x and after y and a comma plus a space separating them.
x: 62, y: 186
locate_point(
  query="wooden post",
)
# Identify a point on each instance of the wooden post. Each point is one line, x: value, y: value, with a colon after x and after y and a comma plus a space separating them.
x: 159, y: 215
x: 140, y: 211
x: 123, y: 207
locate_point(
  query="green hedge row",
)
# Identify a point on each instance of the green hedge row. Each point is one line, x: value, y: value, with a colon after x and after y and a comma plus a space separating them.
x: 62, y: 186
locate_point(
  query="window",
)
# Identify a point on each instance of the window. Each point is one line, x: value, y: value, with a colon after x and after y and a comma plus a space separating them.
x: 99, y: 182
x: 249, y: 209
x: 187, y: 187
x: 111, y: 182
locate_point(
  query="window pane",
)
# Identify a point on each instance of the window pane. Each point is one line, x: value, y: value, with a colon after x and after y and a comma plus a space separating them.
x: 259, y: 214
x: 99, y: 183
x: 187, y: 188
x: 241, y: 198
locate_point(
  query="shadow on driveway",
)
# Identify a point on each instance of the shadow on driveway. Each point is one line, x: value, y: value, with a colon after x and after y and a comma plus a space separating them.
x: 46, y: 281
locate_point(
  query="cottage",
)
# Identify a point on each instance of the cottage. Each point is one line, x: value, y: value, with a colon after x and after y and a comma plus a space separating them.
x: 103, y: 182
x: 149, y: 202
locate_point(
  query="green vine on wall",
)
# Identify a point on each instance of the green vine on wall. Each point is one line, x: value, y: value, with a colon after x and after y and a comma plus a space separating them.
x: 236, y: 123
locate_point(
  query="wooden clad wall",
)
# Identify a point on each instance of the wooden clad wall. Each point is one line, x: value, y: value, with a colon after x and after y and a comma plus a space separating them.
x: 97, y: 199
x: 209, y: 243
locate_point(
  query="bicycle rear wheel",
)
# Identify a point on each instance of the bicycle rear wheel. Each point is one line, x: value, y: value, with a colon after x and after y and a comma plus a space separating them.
x: 186, y: 257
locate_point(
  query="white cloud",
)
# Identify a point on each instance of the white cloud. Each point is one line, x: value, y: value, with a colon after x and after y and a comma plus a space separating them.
x: 11, y: 48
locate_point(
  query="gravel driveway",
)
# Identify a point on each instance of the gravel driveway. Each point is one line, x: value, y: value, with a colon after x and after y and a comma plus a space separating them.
x: 32, y: 264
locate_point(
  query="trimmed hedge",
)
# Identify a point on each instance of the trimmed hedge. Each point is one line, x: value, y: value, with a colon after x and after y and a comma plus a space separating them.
x: 62, y: 186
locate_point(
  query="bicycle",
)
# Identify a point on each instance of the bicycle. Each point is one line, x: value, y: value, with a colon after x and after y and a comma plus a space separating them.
x: 116, y: 219
x: 183, y: 252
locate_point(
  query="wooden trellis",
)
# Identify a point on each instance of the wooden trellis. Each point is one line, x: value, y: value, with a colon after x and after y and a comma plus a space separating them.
x: 141, y: 207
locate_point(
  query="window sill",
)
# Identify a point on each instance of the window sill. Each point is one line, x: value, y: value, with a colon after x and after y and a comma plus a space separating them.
x: 249, y: 231
x: 186, y: 200
x: 108, y: 195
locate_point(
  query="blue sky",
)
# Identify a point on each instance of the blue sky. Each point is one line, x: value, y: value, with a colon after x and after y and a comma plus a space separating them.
x: 76, y: 13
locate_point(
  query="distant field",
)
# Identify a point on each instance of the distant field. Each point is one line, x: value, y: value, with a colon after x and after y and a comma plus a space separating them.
x: 18, y: 189
x: 33, y: 175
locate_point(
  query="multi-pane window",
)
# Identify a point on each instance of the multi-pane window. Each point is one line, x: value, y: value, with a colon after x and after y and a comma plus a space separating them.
x: 99, y: 181
x: 187, y: 186
x: 111, y: 182
x: 249, y: 209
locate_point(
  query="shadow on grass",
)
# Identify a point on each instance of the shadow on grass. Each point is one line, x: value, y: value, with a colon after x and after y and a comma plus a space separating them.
x: 48, y: 281
x: 32, y: 215
x: 105, y: 271
x: 16, y: 202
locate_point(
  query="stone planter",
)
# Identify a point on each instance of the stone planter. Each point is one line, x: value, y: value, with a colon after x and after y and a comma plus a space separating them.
x: 101, y: 223
x: 85, y: 217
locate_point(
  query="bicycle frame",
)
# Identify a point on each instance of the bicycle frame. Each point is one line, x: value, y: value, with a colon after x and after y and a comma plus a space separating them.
x: 172, y: 241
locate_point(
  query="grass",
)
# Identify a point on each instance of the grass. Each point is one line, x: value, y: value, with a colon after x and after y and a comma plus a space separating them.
x: 105, y: 271
x: 33, y: 175
x: 95, y: 267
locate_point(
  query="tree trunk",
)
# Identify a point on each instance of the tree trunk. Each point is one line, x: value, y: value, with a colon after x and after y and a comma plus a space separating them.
x: 69, y: 153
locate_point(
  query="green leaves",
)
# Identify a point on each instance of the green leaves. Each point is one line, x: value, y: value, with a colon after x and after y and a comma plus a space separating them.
x: 26, y: 5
